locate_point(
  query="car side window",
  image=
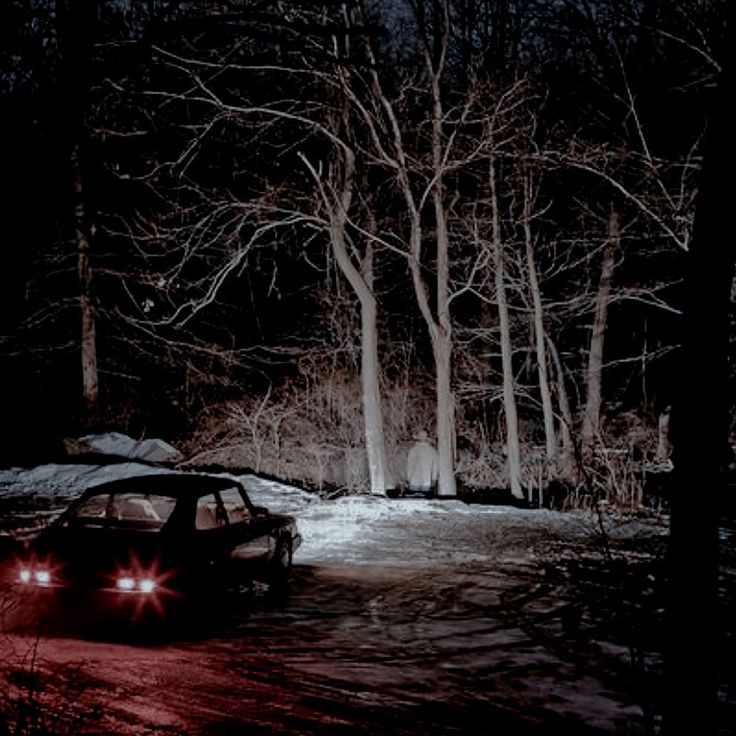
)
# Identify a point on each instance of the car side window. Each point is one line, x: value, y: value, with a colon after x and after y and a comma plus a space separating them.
x: 134, y: 507
x: 235, y: 506
x: 210, y: 514
x: 94, y: 507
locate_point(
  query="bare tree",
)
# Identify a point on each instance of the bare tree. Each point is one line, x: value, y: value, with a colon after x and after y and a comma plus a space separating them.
x: 396, y: 157
x: 218, y: 236
x: 540, y: 334
x: 336, y: 199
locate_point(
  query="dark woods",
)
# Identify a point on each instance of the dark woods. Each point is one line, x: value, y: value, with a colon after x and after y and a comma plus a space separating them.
x: 287, y: 235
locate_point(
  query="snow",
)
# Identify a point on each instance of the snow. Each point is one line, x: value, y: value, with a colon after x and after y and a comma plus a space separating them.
x: 459, y: 593
x: 120, y: 445
x: 361, y: 529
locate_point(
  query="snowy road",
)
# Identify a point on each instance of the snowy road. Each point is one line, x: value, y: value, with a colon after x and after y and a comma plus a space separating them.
x: 379, y: 651
x: 404, y: 617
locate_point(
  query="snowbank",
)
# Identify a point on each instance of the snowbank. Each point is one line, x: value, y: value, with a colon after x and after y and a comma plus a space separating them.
x: 115, y: 443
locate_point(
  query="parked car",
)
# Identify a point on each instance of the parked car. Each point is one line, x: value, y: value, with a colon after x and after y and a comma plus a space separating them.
x: 147, y: 541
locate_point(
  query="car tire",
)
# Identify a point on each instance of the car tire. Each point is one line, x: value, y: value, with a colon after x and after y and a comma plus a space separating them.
x: 281, y: 560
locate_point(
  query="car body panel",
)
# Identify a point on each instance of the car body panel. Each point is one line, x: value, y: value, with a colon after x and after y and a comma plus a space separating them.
x: 162, y: 536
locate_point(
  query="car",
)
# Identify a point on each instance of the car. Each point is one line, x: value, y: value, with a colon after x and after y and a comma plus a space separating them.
x: 147, y: 541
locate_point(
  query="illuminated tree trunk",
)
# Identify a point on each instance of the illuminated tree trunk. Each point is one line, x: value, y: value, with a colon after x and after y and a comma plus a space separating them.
x: 439, y: 327
x: 446, y: 485
x: 513, y: 450
x: 375, y: 443
x: 442, y: 335
x: 362, y: 284
x: 594, y: 383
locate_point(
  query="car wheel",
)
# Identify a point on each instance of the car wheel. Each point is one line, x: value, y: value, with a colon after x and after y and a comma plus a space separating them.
x: 281, y: 560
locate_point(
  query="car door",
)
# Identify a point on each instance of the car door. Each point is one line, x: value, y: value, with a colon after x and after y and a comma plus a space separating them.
x: 248, y: 530
x: 210, y: 548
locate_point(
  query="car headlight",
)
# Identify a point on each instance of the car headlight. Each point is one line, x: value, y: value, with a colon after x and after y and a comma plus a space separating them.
x: 42, y: 577
x: 146, y: 585
x: 126, y: 583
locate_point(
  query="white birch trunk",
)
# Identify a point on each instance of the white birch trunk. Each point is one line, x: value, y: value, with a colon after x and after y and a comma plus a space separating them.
x: 362, y: 284
x: 442, y: 336
x: 375, y: 443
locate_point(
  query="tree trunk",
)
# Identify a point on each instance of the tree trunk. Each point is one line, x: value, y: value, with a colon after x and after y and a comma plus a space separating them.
x: 362, y: 284
x: 700, y: 444
x: 567, y: 470
x: 76, y: 33
x: 441, y: 338
x: 446, y: 484
x: 663, y: 437
x: 592, y: 416
x: 513, y: 450
x: 375, y: 442
x: 550, y: 435
x: 439, y: 329
x: 90, y: 384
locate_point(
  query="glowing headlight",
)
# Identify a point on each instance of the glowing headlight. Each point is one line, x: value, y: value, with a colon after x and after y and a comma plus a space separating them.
x: 126, y: 583
x: 25, y: 575
x: 146, y: 585
x: 43, y: 577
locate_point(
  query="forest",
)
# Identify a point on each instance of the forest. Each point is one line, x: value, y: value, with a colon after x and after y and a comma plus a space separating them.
x: 285, y: 236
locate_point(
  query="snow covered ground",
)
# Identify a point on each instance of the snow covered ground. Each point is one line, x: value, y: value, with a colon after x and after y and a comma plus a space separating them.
x: 359, y: 529
x: 406, y: 616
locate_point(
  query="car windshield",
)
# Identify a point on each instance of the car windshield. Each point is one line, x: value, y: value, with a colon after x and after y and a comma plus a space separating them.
x: 138, y: 510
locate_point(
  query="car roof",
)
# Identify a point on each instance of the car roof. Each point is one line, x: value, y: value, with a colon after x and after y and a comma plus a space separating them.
x: 170, y: 484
